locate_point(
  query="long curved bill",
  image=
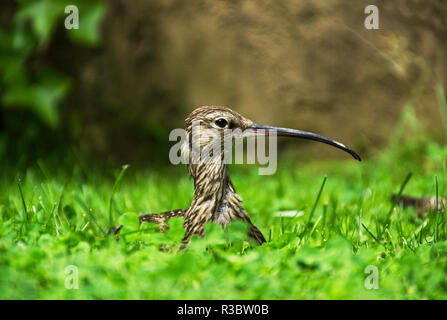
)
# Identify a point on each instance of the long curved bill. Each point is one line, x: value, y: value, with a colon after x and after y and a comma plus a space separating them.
x: 259, y: 129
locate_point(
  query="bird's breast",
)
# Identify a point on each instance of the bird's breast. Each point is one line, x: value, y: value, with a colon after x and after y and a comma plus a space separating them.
x: 229, y: 209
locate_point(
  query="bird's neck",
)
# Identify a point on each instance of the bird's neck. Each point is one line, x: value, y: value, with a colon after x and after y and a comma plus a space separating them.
x: 210, y: 179
x: 207, y: 168
x: 215, y: 198
x: 213, y: 189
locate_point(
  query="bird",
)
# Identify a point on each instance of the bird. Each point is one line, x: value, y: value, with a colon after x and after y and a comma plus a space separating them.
x: 423, y: 205
x: 215, y: 198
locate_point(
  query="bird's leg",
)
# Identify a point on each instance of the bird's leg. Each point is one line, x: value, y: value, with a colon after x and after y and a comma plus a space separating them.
x: 161, y: 218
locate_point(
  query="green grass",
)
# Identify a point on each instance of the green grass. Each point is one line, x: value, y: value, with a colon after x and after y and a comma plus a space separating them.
x: 53, y: 216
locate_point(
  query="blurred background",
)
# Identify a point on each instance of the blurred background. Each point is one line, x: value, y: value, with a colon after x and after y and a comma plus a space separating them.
x: 113, y: 89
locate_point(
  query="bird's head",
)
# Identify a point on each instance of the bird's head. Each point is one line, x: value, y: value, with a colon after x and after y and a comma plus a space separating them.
x: 211, y: 123
x: 215, y: 122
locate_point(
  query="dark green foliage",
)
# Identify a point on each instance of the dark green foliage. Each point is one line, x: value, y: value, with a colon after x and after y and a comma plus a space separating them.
x: 32, y: 87
x: 40, y: 89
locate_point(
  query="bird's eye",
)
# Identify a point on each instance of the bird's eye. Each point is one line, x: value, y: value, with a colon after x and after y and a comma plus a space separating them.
x: 221, y: 122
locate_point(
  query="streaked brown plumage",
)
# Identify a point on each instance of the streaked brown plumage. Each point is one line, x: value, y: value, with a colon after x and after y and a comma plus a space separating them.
x: 215, y: 199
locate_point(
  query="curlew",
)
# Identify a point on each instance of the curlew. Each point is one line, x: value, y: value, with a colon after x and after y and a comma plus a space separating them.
x: 215, y: 198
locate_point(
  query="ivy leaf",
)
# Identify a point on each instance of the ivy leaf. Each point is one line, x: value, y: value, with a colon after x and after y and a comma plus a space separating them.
x: 42, y: 97
x: 43, y: 16
x: 90, y: 16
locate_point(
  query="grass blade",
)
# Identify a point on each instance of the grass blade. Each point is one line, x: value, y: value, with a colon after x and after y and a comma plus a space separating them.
x: 25, y: 220
x: 370, y: 233
x: 436, y: 210
x: 396, y: 199
x: 115, y: 186
x: 314, y: 207
x: 316, y: 200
